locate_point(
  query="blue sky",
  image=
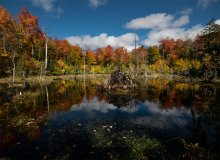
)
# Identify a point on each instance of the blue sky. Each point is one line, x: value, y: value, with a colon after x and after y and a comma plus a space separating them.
x: 97, y: 23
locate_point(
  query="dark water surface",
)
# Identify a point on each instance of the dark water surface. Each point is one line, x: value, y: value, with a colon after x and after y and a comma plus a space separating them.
x: 77, y: 120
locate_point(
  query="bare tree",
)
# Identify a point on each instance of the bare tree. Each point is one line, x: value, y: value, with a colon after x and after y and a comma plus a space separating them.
x: 46, y: 48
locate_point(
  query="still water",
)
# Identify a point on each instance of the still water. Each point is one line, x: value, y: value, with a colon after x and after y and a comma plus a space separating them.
x: 79, y: 120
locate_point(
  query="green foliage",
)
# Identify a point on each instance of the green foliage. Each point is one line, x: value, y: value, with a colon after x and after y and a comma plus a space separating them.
x: 101, y: 69
x: 153, y: 54
x: 61, y: 67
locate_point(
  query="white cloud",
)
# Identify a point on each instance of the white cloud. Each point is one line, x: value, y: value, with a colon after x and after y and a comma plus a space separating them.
x: 162, y: 25
x: 158, y: 21
x: 102, y: 40
x: 154, y: 36
x: 186, y: 11
x: 97, y: 3
x: 183, y: 20
x: 217, y: 21
x: 158, y: 25
x: 47, y: 5
x: 206, y: 3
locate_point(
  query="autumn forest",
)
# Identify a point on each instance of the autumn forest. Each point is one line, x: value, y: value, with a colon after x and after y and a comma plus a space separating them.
x: 150, y: 91
x: 27, y: 49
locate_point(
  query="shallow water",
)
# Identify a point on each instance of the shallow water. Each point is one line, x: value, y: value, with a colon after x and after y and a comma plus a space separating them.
x: 78, y: 120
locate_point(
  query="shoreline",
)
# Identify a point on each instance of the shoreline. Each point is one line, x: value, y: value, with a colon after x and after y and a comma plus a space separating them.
x: 49, y: 79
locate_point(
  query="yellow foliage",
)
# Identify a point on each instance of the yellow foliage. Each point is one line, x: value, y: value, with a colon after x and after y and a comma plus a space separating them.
x: 160, y: 66
x: 181, y: 65
x: 182, y: 86
x: 197, y: 64
x: 62, y: 67
x: 60, y: 63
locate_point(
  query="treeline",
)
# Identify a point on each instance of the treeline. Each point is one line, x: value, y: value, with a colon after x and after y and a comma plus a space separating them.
x: 26, y: 49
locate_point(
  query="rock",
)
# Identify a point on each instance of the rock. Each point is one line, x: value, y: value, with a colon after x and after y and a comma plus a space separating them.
x: 120, y: 80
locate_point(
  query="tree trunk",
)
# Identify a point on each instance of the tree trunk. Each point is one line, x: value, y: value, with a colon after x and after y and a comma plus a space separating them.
x: 46, y: 53
x: 84, y: 65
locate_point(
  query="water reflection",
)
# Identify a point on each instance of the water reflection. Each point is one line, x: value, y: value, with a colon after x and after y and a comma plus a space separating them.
x: 36, y: 118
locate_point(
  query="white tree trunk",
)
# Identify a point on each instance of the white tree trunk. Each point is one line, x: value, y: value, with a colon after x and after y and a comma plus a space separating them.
x: 46, y: 52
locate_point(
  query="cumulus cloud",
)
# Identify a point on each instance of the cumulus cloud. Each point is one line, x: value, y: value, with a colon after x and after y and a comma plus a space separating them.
x: 47, y: 5
x: 206, y: 3
x: 217, y: 21
x: 183, y: 20
x: 158, y: 21
x: 162, y: 25
x: 97, y: 3
x: 102, y: 40
x: 158, y: 26
x: 154, y: 36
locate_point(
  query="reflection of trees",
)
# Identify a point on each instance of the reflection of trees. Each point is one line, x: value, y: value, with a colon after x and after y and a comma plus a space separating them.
x: 47, y: 96
x: 23, y: 109
x: 64, y: 94
x: 154, y: 88
x: 22, y: 114
x: 187, y: 95
x: 198, y: 99
x: 119, y: 100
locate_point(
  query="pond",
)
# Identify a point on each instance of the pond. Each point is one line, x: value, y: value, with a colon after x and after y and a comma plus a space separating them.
x: 77, y: 119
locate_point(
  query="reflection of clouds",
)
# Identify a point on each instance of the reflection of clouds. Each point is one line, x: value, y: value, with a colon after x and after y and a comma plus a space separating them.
x: 95, y: 105
x: 148, y: 113
x: 102, y: 106
x: 163, y: 118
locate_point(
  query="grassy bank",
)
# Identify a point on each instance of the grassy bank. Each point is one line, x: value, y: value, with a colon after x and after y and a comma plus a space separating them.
x: 49, y: 79
x: 97, y: 77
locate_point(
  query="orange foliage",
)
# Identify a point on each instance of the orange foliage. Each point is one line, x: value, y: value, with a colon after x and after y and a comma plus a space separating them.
x: 29, y: 23
x: 63, y: 48
x: 121, y: 55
